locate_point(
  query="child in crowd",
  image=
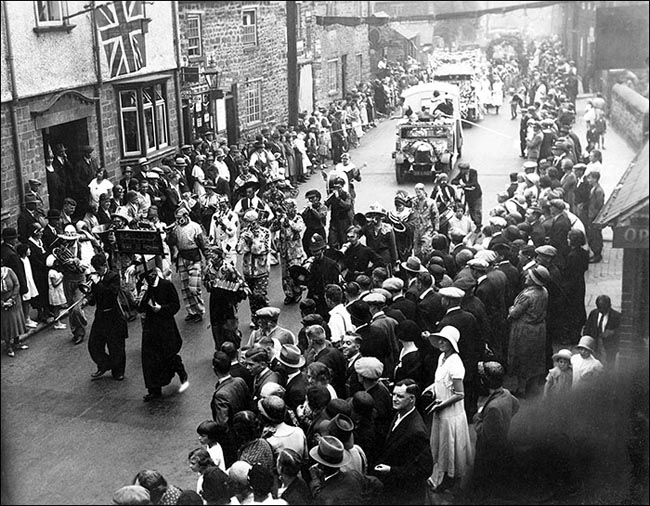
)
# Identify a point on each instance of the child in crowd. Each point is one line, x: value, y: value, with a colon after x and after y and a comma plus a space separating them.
x: 209, y: 432
x: 586, y: 367
x: 200, y: 461
x: 559, y: 379
x: 56, y: 295
x: 32, y: 292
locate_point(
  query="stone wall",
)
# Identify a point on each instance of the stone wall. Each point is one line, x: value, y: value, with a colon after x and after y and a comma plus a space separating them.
x: 9, y: 193
x: 629, y: 115
x: 241, y: 64
x: 634, y: 321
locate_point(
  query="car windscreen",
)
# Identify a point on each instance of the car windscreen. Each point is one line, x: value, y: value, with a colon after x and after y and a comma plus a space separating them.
x: 425, y: 132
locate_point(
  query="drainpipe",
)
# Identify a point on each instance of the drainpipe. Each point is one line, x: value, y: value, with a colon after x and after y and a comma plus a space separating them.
x: 177, y: 81
x: 292, y: 62
x: 98, y: 86
x: 12, y: 107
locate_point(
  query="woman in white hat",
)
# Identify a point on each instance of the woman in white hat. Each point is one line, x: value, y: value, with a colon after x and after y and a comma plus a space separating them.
x: 560, y: 378
x: 527, y: 315
x: 451, y: 447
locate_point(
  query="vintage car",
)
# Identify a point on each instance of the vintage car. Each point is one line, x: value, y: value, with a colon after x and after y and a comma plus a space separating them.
x: 427, y: 143
x: 463, y: 76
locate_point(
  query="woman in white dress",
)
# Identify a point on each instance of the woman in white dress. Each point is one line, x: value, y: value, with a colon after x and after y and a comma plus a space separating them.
x: 497, y: 93
x: 450, y: 442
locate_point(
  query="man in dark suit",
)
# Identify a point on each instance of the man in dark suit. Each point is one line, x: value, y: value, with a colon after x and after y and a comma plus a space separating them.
x: 468, y: 181
x: 350, y: 346
x: 28, y: 217
x: 405, y: 460
x: 386, y: 325
x: 593, y: 206
x: 497, y: 224
x: 503, y: 264
x: 358, y: 258
x: 52, y: 229
x: 324, y: 271
x: 603, y: 324
x: 399, y: 302
x: 230, y: 396
x: 257, y: 361
x: 237, y: 369
x: 470, y: 346
x: 290, y: 361
x: 559, y: 230
x: 321, y: 350
x: 430, y: 309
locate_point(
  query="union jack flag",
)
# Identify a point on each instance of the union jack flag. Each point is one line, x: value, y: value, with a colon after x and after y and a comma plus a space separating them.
x: 120, y: 27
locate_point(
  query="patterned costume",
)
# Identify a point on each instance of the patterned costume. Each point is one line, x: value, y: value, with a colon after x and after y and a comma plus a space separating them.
x: 189, y: 241
x: 427, y: 221
x: 255, y: 246
x: 291, y: 253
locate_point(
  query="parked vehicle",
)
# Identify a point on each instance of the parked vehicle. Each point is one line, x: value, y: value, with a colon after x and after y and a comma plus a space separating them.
x: 463, y: 76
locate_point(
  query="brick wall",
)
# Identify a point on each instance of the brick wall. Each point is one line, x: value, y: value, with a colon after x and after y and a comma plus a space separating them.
x: 634, y: 301
x: 222, y: 38
x: 629, y: 114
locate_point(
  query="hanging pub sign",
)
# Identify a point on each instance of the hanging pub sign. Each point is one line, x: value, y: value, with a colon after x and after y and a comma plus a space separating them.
x: 633, y: 233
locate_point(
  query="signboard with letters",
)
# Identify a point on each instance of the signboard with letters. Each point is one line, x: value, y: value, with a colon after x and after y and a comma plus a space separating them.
x: 632, y: 233
x: 144, y: 242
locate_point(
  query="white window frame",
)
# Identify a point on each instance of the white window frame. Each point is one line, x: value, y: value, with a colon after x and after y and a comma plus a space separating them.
x: 248, y: 29
x: 159, y: 118
x: 253, y: 102
x: 62, y: 7
x: 334, y: 81
x: 199, y: 36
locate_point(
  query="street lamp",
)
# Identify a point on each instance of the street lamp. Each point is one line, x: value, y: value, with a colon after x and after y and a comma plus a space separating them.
x: 213, y: 77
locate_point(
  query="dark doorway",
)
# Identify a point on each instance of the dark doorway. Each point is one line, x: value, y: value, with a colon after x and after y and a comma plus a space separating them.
x: 232, y: 127
x: 188, y: 132
x: 344, y: 74
x: 73, y: 136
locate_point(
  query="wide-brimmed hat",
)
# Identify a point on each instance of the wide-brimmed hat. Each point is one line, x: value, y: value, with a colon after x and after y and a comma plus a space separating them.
x: 69, y: 233
x: 143, y: 160
x: 565, y: 354
x: 449, y: 333
x: 413, y: 264
x: 587, y: 342
x: 180, y: 162
x: 376, y: 210
x: 330, y: 452
x: 121, y: 212
x: 317, y: 243
x: 341, y: 427
x: 291, y: 356
x: 299, y: 274
x: 539, y: 275
x: 273, y: 408
x: 250, y: 184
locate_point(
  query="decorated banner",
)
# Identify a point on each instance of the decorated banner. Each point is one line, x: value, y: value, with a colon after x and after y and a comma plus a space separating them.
x: 120, y: 26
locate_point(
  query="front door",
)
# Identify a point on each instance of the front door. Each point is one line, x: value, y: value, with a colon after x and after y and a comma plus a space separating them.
x: 232, y: 120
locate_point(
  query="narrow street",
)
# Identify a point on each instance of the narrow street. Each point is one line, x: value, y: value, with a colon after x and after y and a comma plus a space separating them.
x: 83, y: 438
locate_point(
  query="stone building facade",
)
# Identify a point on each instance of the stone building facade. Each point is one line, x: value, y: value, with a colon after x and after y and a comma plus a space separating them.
x: 246, y: 42
x: 72, y: 78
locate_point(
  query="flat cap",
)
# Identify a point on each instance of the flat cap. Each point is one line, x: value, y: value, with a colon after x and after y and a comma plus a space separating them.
x: 546, y: 250
x: 382, y: 291
x: 463, y: 165
x: 498, y: 221
x: 375, y: 298
x: 369, y: 367
x: 479, y: 265
x: 131, y: 494
x: 558, y: 204
x: 465, y: 283
x: 35, y: 182
x: 530, y: 165
x: 452, y: 293
x: 268, y: 312
x: 393, y: 284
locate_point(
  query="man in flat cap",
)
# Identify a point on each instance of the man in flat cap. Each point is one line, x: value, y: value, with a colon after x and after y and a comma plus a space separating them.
x: 369, y: 370
x: 497, y: 224
x: 340, y: 204
x: 323, y: 271
x: 396, y: 287
x: 267, y: 326
x: 321, y: 350
x: 131, y: 494
x: 387, y: 348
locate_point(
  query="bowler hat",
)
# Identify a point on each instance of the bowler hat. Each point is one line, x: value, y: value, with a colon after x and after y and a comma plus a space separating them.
x: 313, y: 193
x: 291, y: 356
x: 360, y: 310
x: 330, y: 452
x: 9, y: 233
x: 342, y: 427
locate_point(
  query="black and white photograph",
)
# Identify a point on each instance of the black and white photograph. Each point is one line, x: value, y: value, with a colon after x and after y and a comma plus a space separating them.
x: 324, y: 252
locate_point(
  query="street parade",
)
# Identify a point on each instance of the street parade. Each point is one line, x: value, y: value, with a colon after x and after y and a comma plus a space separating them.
x: 366, y: 346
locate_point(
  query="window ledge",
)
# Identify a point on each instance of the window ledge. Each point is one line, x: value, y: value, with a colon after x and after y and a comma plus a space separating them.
x: 53, y: 28
x: 250, y: 48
